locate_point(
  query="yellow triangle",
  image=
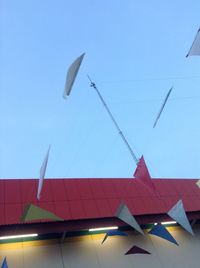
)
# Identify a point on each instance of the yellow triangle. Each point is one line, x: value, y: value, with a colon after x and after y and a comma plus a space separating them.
x: 198, y: 183
x: 32, y: 212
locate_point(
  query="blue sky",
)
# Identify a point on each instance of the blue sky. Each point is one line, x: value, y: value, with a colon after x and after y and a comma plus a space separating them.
x: 135, y: 51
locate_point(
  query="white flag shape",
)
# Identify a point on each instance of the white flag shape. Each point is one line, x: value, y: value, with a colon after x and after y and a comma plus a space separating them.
x: 198, y: 183
x: 42, y: 174
x: 177, y: 212
x: 195, y: 48
x: 124, y: 214
x: 71, y: 75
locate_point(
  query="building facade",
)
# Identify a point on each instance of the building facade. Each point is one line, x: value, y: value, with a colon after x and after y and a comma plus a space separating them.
x: 92, y: 203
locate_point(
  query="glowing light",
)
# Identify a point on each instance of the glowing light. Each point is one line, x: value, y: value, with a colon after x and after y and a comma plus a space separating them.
x: 103, y: 229
x: 166, y: 222
x: 17, y: 236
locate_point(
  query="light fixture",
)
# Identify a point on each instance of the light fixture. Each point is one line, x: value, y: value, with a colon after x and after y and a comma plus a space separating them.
x: 103, y: 228
x: 17, y: 236
x: 166, y: 222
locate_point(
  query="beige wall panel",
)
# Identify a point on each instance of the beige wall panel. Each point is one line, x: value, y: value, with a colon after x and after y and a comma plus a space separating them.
x: 182, y: 256
x: 80, y: 253
x: 111, y: 252
x: 42, y: 257
x: 87, y: 251
x: 14, y: 256
x: 141, y: 260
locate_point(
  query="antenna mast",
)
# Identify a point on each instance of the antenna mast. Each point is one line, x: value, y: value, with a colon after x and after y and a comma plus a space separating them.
x: 114, y: 121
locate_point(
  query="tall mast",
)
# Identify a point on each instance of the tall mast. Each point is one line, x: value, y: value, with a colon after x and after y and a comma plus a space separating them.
x: 114, y: 121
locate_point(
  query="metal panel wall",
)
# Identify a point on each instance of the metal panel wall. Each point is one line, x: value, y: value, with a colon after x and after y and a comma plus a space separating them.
x: 87, y: 251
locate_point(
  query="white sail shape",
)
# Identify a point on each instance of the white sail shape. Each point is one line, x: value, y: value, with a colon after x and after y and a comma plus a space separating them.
x: 124, y: 214
x: 195, y: 48
x: 177, y: 213
x: 42, y: 174
x: 71, y: 75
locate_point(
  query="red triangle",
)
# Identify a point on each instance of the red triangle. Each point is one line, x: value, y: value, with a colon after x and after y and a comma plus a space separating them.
x: 136, y: 250
x: 142, y: 175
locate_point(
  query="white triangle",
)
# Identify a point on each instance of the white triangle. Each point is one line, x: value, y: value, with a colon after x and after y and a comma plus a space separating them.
x: 124, y: 214
x: 177, y: 213
x: 71, y: 75
x: 195, y: 48
x: 198, y: 183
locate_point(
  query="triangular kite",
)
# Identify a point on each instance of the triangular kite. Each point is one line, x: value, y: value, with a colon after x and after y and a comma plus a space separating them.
x: 177, y: 213
x: 198, y: 183
x: 4, y: 263
x: 42, y: 174
x: 71, y: 75
x: 160, y: 231
x: 124, y: 214
x: 162, y: 107
x: 136, y: 250
x: 142, y: 175
x: 195, y: 48
x: 113, y: 233
x: 32, y: 212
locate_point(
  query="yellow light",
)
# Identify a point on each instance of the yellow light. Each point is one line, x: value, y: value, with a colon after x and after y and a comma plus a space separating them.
x: 103, y: 228
x: 17, y: 236
x: 166, y: 222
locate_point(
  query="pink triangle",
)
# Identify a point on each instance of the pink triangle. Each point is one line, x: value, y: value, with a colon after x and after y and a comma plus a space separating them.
x: 136, y: 250
x: 142, y: 175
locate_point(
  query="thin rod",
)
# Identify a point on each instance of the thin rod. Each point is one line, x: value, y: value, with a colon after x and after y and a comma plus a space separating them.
x: 114, y: 121
x: 162, y: 107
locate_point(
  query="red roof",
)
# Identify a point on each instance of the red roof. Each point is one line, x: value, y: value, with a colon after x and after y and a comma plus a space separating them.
x: 79, y: 199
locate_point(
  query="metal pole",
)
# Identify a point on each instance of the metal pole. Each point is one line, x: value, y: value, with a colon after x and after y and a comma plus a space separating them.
x: 114, y: 121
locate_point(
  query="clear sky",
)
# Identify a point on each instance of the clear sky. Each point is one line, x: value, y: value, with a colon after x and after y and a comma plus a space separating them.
x: 135, y: 51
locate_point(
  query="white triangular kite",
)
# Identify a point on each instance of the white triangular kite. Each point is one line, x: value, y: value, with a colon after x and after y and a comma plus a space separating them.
x: 124, y: 214
x: 42, y: 174
x: 177, y: 213
x: 195, y: 48
x: 71, y: 75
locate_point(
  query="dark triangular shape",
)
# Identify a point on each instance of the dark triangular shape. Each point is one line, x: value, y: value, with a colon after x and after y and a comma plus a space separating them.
x: 136, y: 250
x: 113, y: 233
x: 4, y: 264
x: 160, y: 231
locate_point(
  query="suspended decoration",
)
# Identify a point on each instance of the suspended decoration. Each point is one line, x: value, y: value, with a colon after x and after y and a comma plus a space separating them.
x: 113, y: 233
x: 4, y: 263
x: 160, y: 231
x: 124, y: 214
x: 177, y: 213
x: 195, y: 48
x: 142, y: 175
x: 71, y: 75
x: 136, y: 250
x: 162, y: 107
x: 32, y: 212
x: 198, y: 183
x: 42, y: 174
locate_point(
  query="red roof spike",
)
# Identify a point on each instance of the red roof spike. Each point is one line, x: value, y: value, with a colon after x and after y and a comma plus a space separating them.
x: 142, y: 175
